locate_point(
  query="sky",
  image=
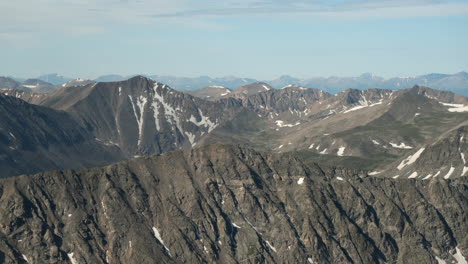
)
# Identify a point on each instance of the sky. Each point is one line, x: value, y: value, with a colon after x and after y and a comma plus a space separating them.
x: 260, y: 39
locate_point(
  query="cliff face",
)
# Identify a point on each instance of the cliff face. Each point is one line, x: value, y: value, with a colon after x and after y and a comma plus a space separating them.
x: 229, y: 204
x: 35, y: 138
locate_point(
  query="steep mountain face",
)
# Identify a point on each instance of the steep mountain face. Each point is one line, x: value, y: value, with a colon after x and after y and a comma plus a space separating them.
x: 210, y: 93
x: 224, y: 204
x: 446, y: 158
x: 375, y: 125
x: 441, y: 96
x: 351, y: 100
x: 35, y: 138
x: 319, y: 129
x: 290, y: 103
x: 141, y: 116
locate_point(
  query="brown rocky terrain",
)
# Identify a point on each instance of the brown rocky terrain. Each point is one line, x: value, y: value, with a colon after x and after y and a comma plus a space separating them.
x: 228, y: 204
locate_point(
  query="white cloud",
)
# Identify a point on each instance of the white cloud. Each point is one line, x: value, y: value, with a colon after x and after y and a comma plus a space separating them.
x: 93, y: 17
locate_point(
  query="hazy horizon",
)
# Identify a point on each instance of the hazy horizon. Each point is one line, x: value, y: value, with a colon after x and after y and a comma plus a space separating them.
x: 226, y: 76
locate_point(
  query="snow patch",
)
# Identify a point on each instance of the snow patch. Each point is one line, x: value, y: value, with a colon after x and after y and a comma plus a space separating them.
x: 411, y: 159
x: 205, y: 121
x: 459, y: 109
x: 449, y: 173
x: 311, y: 145
x: 25, y: 258
x: 157, y: 235
x: 396, y: 176
x: 155, y: 107
x: 363, y: 103
x: 281, y: 123
x: 300, y: 181
x: 72, y: 259
x: 191, y: 138
x: 456, y: 107
x: 236, y: 226
x: 374, y: 173
x: 401, y: 146
x: 272, y: 248
x: 341, y: 151
x: 339, y: 178
x: 427, y: 177
x: 169, y: 111
x: 375, y: 142
x: 413, y: 175
x: 440, y: 261
x: 459, y: 257
x: 141, y: 102
x: 323, y: 151
x: 465, y: 170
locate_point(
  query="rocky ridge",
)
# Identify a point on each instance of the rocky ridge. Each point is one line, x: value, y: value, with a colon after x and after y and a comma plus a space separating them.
x: 232, y: 205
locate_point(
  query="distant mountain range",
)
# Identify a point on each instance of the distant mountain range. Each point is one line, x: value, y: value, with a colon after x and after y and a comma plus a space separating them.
x: 457, y: 82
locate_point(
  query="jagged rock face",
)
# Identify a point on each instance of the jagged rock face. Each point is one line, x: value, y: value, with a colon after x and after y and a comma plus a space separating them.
x: 441, y: 96
x: 35, y: 138
x: 141, y: 116
x: 351, y: 100
x: 229, y: 205
x: 446, y: 158
x: 291, y: 100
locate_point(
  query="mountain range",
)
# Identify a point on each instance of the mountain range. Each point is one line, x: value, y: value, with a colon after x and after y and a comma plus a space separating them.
x: 134, y: 171
x: 457, y: 83
x: 140, y: 116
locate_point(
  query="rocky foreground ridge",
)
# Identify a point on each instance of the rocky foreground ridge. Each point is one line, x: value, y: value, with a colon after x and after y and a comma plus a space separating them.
x: 228, y: 204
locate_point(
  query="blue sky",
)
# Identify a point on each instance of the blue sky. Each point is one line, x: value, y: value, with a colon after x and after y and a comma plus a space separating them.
x: 261, y: 39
